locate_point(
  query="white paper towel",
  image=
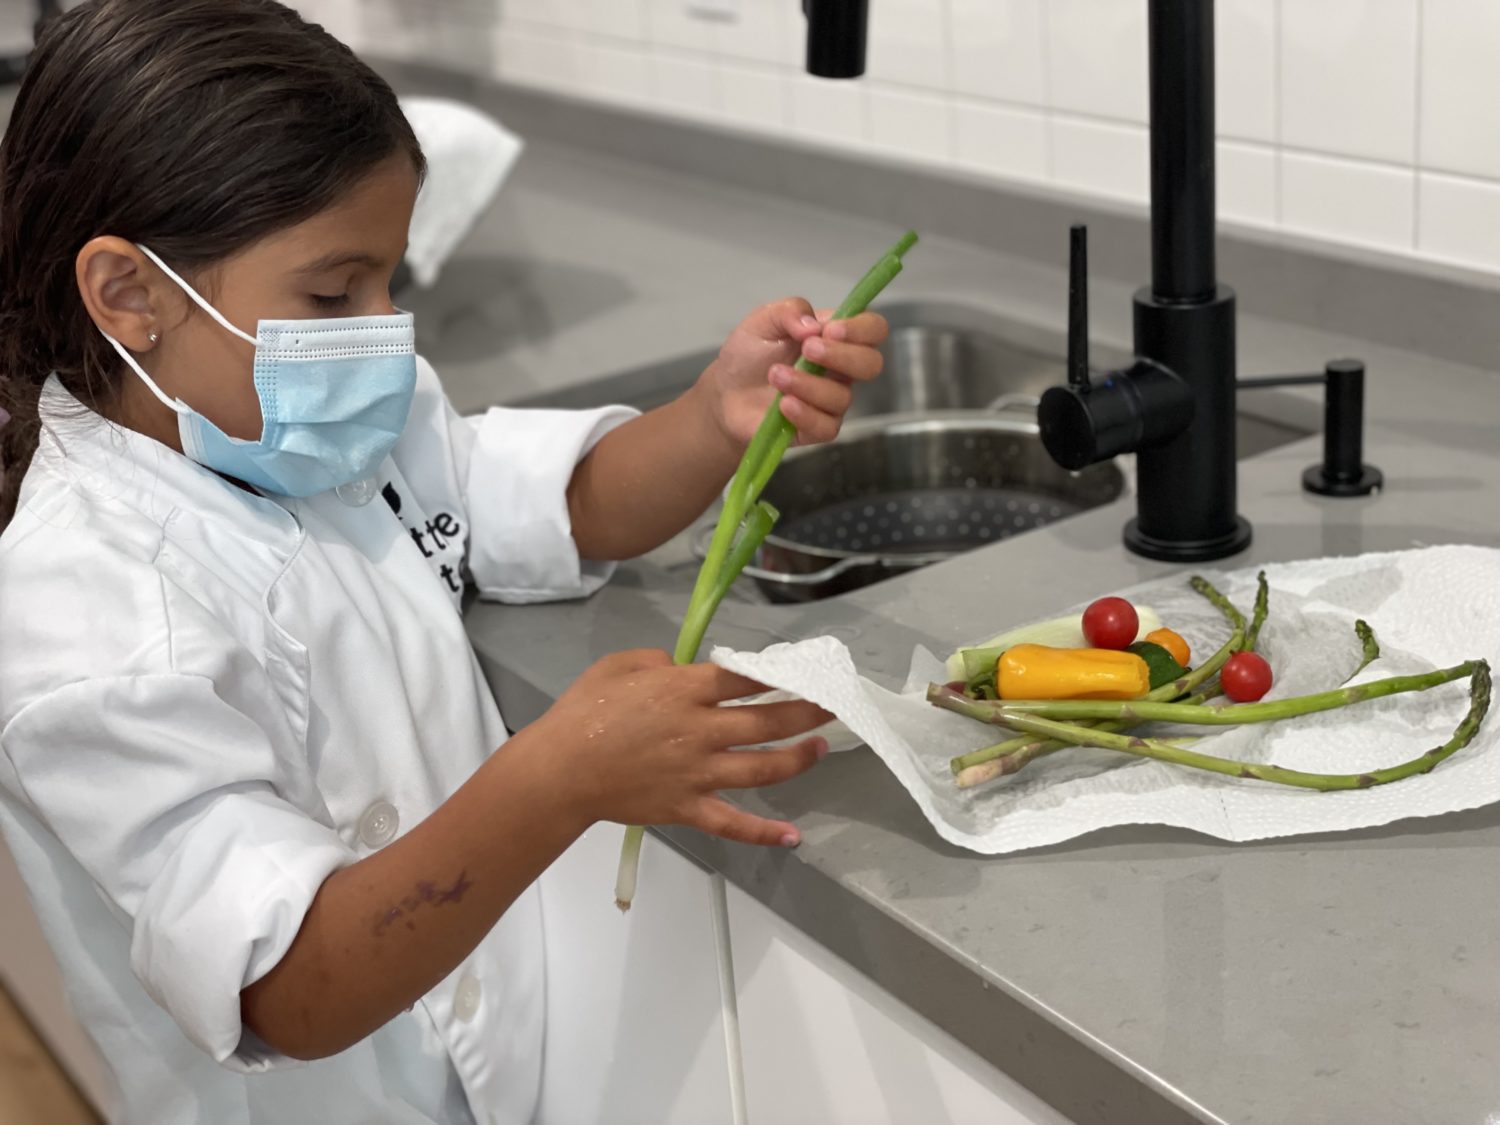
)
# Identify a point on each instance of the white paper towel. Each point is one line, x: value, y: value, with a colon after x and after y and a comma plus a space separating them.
x: 469, y: 155
x: 1430, y: 608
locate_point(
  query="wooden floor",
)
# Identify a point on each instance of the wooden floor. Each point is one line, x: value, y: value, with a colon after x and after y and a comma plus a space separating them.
x: 33, y: 1088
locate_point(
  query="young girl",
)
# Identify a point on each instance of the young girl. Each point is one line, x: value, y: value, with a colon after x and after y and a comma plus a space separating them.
x: 248, y: 763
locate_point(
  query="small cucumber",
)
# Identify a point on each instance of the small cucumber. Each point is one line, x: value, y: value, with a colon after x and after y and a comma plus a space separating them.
x: 1161, y: 663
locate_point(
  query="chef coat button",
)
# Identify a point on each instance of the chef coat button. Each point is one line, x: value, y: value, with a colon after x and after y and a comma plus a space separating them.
x: 466, y: 997
x: 378, y: 826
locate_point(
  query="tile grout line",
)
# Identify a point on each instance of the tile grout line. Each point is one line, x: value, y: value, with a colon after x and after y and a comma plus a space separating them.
x: 950, y: 145
x: 1049, y: 143
x: 1276, y: 104
x: 1416, y: 130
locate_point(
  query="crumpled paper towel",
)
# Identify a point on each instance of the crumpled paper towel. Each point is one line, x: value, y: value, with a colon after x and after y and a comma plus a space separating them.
x: 1430, y: 608
x: 469, y: 155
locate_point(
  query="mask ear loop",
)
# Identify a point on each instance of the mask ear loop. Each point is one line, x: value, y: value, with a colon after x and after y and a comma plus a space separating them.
x: 172, y: 404
x: 193, y: 293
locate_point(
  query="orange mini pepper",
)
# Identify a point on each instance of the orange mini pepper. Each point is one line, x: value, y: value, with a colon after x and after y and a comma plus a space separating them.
x: 1173, y: 643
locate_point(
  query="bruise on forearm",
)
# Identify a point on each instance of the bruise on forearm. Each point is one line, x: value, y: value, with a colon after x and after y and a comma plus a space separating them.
x: 424, y: 894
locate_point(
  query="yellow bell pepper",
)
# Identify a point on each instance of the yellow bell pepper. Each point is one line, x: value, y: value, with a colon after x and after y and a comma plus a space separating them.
x: 1041, y: 672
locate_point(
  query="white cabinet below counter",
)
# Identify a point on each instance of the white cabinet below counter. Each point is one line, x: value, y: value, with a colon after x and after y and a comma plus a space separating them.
x: 825, y: 1045
x: 635, y: 1032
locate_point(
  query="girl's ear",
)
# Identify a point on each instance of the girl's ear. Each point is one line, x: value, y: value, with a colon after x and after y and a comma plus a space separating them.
x: 125, y: 294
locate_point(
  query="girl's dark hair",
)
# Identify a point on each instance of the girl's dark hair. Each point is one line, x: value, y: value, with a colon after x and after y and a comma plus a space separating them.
x: 196, y: 127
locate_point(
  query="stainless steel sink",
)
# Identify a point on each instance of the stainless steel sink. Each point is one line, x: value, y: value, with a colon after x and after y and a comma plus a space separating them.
x: 943, y: 361
x: 940, y: 357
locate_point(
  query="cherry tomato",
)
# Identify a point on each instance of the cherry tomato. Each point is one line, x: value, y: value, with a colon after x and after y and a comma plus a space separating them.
x: 1173, y: 643
x: 1111, y: 623
x: 1246, y: 678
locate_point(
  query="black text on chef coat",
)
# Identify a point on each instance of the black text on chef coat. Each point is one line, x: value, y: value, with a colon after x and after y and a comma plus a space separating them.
x: 440, y: 538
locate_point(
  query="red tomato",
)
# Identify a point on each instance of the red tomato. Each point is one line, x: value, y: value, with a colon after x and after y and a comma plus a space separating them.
x: 1111, y: 623
x: 1246, y: 678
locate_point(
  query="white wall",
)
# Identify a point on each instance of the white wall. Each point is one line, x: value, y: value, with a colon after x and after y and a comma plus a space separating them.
x: 1373, y: 122
x: 16, y: 18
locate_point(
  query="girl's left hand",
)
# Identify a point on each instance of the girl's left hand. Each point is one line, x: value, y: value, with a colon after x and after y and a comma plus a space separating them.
x: 756, y: 362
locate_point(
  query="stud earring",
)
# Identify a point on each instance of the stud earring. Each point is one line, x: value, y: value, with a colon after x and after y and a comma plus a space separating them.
x: 154, y: 337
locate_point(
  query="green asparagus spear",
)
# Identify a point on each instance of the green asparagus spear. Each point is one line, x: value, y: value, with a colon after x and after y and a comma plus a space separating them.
x: 1371, y: 646
x: 1166, y: 751
x: 1258, y: 615
x: 1147, y: 711
x: 744, y: 523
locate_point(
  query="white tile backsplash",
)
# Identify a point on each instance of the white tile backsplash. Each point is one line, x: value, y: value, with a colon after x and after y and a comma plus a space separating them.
x: 1349, y: 77
x: 1460, y: 95
x: 670, y: 23
x: 686, y: 87
x: 616, y: 74
x: 1459, y: 220
x: 1247, y: 182
x: 828, y: 109
x: 1329, y: 112
x: 1096, y: 57
x: 624, y: 19
x: 1000, y: 140
x: 755, y: 97
x: 998, y: 49
x: 1245, y: 68
x: 758, y: 32
x: 909, y: 123
x: 909, y: 42
x: 543, y: 59
x: 1102, y: 157
x: 415, y: 30
x: 1369, y: 204
x: 545, y: 13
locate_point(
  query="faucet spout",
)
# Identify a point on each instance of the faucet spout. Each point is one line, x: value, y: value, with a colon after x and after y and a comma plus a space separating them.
x: 1181, y: 51
x: 1174, y: 407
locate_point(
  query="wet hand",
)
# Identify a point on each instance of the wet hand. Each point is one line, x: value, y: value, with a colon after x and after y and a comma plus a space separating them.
x: 756, y: 363
x: 640, y: 740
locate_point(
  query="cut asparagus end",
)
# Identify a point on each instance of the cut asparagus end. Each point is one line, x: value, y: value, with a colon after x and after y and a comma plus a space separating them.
x: 630, y: 862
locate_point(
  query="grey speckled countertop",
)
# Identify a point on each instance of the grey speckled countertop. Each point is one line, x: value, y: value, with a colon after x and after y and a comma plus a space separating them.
x: 1137, y: 975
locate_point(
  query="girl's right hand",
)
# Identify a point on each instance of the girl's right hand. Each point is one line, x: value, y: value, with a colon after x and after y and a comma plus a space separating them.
x: 640, y: 740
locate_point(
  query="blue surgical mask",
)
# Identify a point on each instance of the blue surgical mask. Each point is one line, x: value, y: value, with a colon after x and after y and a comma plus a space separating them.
x: 334, y: 396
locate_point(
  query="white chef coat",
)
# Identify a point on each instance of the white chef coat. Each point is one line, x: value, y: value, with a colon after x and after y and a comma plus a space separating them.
x: 211, y: 700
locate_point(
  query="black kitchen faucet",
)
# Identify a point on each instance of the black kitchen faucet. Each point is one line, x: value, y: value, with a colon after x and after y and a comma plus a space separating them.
x: 1174, y: 406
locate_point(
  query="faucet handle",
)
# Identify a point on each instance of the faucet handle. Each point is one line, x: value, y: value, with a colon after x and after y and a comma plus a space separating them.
x: 1141, y: 406
x: 1078, y: 309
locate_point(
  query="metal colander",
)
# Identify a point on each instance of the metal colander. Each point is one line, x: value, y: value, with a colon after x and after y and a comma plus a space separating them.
x: 894, y: 494
x: 926, y: 521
